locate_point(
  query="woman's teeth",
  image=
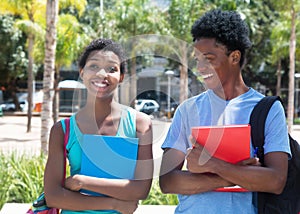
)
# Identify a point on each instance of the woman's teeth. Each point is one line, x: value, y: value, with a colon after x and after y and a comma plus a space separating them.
x: 99, y: 84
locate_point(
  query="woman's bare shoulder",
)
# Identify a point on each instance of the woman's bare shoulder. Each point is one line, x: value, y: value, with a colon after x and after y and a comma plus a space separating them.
x: 143, y: 122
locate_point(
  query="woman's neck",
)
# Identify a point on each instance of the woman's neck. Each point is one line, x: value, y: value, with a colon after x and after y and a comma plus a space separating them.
x: 100, y: 108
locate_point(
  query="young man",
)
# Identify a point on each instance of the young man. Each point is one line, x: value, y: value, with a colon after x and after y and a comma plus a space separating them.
x: 220, y: 41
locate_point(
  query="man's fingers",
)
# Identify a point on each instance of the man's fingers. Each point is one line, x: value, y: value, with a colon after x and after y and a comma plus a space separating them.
x: 194, y: 142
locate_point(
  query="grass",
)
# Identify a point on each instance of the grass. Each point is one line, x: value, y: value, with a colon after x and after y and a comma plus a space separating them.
x: 21, y: 180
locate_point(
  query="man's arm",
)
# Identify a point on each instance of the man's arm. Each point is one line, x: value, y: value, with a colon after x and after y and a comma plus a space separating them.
x: 177, y: 181
x: 253, y: 178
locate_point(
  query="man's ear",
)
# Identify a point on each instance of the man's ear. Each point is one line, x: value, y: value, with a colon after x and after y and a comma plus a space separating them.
x: 121, y: 78
x: 235, y: 56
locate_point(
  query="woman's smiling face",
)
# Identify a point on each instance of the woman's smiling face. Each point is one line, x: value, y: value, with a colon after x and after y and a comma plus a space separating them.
x: 101, y: 73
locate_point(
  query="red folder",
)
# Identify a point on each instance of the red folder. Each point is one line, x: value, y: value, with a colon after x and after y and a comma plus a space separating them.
x: 230, y: 143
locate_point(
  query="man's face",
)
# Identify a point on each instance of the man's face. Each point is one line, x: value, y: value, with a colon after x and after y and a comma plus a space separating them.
x: 213, y: 63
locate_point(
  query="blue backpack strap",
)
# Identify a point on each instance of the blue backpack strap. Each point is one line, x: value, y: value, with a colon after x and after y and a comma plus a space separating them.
x: 257, y: 122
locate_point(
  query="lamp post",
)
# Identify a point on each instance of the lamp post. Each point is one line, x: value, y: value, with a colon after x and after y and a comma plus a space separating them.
x: 169, y: 74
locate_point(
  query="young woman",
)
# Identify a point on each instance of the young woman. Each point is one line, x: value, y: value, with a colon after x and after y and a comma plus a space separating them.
x: 102, y: 68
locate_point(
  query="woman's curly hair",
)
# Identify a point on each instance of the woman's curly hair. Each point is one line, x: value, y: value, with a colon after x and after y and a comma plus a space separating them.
x: 104, y: 45
x: 227, y: 27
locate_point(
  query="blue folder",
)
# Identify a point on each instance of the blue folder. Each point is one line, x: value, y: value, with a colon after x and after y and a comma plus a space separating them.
x: 108, y: 157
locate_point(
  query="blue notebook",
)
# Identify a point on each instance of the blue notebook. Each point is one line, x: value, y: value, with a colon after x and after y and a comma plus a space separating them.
x: 108, y: 157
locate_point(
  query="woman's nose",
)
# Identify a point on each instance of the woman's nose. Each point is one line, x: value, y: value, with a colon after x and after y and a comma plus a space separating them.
x: 101, y: 73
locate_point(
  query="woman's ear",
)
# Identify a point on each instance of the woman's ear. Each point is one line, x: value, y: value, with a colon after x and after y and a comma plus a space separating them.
x: 121, y: 78
x: 81, y: 73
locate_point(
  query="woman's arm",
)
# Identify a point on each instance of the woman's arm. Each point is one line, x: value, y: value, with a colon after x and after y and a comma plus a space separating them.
x: 58, y: 196
x: 125, y: 189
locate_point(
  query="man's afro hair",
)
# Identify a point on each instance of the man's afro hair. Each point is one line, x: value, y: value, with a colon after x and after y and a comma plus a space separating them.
x: 226, y: 27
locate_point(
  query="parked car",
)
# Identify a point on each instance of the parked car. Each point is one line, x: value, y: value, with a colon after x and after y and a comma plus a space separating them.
x: 10, y: 106
x: 147, y: 106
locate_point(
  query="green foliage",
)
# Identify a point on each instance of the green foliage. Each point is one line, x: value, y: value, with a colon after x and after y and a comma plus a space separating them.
x: 156, y: 197
x: 21, y: 178
x: 297, y: 121
x: 13, y: 59
x: 182, y: 14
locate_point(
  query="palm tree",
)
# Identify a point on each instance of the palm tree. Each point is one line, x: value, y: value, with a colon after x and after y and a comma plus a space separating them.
x: 133, y: 18
x: 64, y: 40
x: 292, y: 69
x: 280, y: 48
x: 182, y: 14
x: 288, y: 13
x: 31, y: 15
x: 49, y: 65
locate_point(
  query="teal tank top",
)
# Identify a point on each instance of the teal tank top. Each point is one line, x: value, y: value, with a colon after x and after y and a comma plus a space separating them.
x: 127, y: 128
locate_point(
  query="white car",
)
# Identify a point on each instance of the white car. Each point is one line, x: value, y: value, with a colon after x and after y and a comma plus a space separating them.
x: 10, y: 106
x: 146, y: 106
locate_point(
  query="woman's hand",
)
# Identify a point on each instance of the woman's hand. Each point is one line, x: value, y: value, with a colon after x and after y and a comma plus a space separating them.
x: 73, y: 183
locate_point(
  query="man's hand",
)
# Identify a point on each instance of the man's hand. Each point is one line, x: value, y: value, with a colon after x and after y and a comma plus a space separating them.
x: 250, y: 162
x: 198, y: 158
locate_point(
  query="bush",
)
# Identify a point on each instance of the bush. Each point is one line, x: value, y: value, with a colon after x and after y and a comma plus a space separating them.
x: 296, y: 121
x: 21, y: 178
x: 156, y: 197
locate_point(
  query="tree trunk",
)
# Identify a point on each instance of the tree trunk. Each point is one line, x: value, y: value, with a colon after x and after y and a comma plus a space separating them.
x: 30, y: 81
x: 49, y: 69
x: 56, y: 97
x: 292, y: 71
x: 278, y: 73
x: 183, y: 73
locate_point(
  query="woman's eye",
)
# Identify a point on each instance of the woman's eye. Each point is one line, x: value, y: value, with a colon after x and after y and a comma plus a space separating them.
x: 112, y: 69
x: 93, y: 67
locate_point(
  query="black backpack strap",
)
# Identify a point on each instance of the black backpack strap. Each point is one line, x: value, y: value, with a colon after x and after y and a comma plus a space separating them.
x: 257, y: 123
